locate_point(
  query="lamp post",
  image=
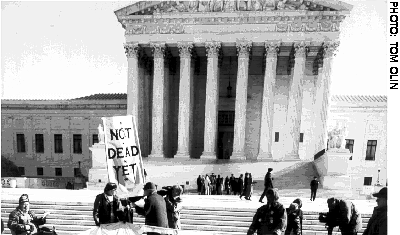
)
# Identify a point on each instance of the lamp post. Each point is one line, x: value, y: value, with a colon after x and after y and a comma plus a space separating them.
x: 377, y: 182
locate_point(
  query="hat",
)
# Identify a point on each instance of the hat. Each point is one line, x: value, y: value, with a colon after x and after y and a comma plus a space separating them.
x: 149, y: 186
x: 270, y: 169
x: 23, y: 198
x: 293, y: 206
x: 382, y: 193
x: 110, y: 186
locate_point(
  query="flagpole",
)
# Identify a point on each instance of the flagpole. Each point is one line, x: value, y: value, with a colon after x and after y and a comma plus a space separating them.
x: 105, y: 144
x: 140, y: 150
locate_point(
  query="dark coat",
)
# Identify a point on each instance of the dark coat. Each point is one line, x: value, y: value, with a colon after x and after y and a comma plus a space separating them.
x: 314, y: 184
x: 17, y: 224
x: 268, y: 219
x: 377, y: 224
x: 102, y: 210
x: 294, y: 221
x: 155, y: 211
x: 346, y: 216
x: 268, y: 181
x: 240, y: 185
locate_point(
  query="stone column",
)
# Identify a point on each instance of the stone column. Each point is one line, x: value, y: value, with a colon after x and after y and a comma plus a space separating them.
x: 132, y: 52
x: 158, y: 101
x: 322, y: 96
x: 185, y: 100
x: 267, y: 110
x: 294, y: 111
x: 48, y: 142
x: 29, y: 137
x: 243, y: 48
x: 212, y: 96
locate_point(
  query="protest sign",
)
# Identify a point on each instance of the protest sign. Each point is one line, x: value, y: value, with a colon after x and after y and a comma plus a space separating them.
x: 124, y: 159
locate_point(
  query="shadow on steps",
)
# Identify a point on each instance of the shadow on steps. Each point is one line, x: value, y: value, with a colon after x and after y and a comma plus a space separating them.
x: 297, y: 176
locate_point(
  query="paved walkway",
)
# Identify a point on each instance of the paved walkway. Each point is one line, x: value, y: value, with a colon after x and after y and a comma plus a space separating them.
x: 210, y: 201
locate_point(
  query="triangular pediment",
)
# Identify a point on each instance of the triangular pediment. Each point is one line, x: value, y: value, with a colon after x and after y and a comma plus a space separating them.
x: 170, y: 7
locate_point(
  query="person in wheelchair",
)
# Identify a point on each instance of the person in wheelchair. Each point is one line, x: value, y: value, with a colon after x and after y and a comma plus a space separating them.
x: 23, y: 221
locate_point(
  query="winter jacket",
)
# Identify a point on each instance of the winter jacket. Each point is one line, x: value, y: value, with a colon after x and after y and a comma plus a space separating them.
x: 102, y: 210
x: 16, y: 222
x: 346, y: 216
x: 377, y: 224
x: 174, y: 208
x: 269, y: 219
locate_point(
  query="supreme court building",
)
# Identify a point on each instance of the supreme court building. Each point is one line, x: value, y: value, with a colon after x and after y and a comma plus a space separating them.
x: 244, y: 81
x: 236, y: 74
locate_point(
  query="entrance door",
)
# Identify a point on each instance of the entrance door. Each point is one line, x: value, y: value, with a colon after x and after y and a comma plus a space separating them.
x: 225, y: 134
x: 225, y: 144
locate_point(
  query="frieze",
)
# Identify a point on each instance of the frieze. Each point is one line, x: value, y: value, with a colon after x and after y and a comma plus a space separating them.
x: 282, y: 23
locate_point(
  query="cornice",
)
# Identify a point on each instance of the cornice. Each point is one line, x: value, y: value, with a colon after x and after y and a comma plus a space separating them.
x: 64, y: 106
x: 279, y: 23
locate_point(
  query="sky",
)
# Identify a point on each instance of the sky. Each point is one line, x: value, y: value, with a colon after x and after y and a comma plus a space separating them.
x: 62, y: 50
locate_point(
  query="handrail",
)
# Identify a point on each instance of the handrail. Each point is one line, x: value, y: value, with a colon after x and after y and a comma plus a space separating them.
x: 319, y: 154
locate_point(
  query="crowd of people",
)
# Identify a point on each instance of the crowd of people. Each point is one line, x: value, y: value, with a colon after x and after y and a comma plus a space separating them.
x: 217, y: 185
x: 164, y: 211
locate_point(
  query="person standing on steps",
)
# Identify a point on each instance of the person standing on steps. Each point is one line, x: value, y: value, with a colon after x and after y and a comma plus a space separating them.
x: 271, y: 218
x: 314, y: 186
x: 267, y: 184
x: 377, y: 224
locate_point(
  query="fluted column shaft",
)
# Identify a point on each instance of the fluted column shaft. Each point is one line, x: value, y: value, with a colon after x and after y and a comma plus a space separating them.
x: 322, y: 97
x: 267, y: 109
x: 239, y: 142
x: 185, y: 100
x: 212, y: 96
x: 294, y: 111
x: 132, y: 53
x: 158, y: 101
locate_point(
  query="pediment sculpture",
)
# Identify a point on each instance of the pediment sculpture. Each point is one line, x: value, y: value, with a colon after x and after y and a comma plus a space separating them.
x: 239, y: 5
x: 337, y: 137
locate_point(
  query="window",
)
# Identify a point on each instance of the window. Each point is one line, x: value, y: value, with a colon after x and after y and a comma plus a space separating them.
x: 371, y: 149
x: 301, y: 137
x: 58, y: 172
x: 20, y: 143
x: 349, y: 146
x: 77, y: 143
x: 39, y: 171
x: 276, y: 136
x: 21, y: 170
x: 95, y: 138
x: 58, y: 143
x: 39, y: 143
x: 367, y: 181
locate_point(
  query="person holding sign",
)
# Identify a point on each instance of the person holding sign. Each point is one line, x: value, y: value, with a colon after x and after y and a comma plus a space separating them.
x: 23, y: 221
x: 107, y: 206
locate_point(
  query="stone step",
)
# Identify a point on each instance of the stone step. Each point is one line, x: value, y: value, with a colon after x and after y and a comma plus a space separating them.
x: 35, y: 206
x: 41, y: 211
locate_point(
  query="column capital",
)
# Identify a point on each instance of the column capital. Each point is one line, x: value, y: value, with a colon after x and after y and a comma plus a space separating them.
x: 243, y: 48
x: 185, y: 49
x: 131, y: 49
x: 330, y: 48
x: 158, y: 49
x: 301, y: 49
x: 272, y: 49
x: 212, y: 49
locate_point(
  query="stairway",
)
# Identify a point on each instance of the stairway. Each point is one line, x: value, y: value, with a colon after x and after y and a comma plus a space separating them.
x: 72, y: 218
